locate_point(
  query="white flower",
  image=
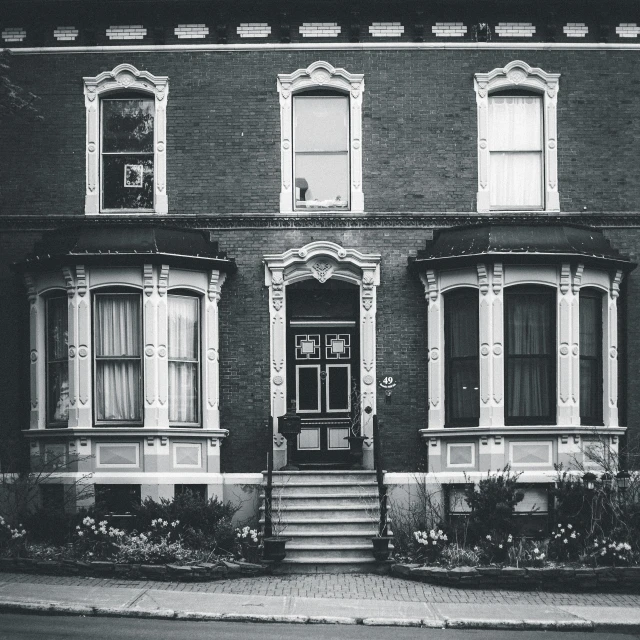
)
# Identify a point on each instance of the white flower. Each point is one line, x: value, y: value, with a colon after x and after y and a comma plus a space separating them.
x: 445, y: 538
x: 488, y: 537
x: 81, y: 533
x: 536, y: 550
x: 565, y: 541
x: 499, y: 546
x: 573, y: 535
x: 569, y: 526
x: 541, y: 557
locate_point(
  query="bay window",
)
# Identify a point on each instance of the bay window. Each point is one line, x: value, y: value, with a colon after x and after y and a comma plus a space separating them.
x: 118, y: 357
x: 461, y: 369
x: 184, y: 368
x: 530, y: 341
x: 57, y: 345
x: 590, y: 356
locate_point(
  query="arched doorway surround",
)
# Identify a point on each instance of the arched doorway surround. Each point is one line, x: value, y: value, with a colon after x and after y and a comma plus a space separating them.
x: 321, y: 260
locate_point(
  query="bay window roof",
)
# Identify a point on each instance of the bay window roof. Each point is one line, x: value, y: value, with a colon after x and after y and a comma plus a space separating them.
x: 519, y: 243
x: 93, y: 244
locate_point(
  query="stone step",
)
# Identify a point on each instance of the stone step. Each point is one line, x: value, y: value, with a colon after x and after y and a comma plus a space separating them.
x: 325, y: 500
x: 297, y: 525
x: 336, y: 537
x: 317, y: 477
x: 354, y: 554
x: 324, y: 488
x: 288, y: 513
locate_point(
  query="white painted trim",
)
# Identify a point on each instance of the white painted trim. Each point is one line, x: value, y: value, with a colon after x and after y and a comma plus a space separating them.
x: 460, y: 444
x: 125, y: 77
x: 325, y: 76
x: 547, y: 443
x: 519, y: 75
x: 332, y: 46
x: 322, y: 260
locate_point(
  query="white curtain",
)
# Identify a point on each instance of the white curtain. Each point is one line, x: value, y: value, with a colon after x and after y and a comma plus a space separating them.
x: 183, y: 359
x: 516, y: 158
x: 118, y: 339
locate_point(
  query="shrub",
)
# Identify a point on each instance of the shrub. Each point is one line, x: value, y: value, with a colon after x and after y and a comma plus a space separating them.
x: 12, y: 539
x: 51, y: 526
x: 607, y: 551
x: 566, y: 543
x: 203, y: 524
x: 492, y: 502
x: 96, y: 539
x: 248, y: 543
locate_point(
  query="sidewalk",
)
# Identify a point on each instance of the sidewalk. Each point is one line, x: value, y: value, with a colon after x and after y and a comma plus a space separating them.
x: 321, y: 599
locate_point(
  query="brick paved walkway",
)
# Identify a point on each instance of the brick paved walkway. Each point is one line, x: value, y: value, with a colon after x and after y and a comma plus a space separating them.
x: 358, y: 586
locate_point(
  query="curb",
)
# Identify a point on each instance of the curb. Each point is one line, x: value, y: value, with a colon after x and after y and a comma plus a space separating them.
x: 53, y: 608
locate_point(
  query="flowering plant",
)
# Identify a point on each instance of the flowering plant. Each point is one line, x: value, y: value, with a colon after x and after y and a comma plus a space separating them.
x: 429, y: 545
x: 153, y: 548
x: 495, y: 547
x: 96, y: 539
x: 565, y: 542
x: 12, y: 539
x: 609, y: 552
x: 248, y: 540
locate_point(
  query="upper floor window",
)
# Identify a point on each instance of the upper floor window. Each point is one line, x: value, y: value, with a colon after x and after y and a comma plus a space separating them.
x: 126, y: 149
x: 462, y: 362
x: 517, y: 139
x: 126, y: 142
x: 321, y: 150
x: 590, y: 356
x: 321, y: 139
x: 118, y: 357
x: 57, y: 345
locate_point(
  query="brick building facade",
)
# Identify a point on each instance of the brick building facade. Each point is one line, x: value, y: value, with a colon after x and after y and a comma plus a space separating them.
x: 418, y: 168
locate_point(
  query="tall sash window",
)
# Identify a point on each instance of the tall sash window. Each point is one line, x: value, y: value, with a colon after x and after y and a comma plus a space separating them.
x: 516, y: 160
x: 57, y: 362
x: 118, y: 357
x: 530, y: 331
x: 183, y: 359
x: 590, y: 357
x: 462, y: 364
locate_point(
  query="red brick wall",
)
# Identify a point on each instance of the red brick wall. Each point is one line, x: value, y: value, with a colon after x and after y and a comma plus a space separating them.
x: 419, y: 128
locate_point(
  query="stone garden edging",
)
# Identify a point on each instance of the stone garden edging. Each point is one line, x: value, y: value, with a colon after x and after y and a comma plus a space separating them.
x: 625, y: 579
x: 200, y: 572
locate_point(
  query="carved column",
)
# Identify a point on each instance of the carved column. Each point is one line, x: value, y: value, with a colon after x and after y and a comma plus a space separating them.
x: 485, y: 330
x: 277, y: 318
x: 357, y: 196
x: 161, y: 200
x: 568, y: 355
x: 370, y: 279
x: 92, y: 197
x: 610, y: 356
x: 79, y: 338
x: 286, y: 150
x: 552, y: 199
x: 483, y: 196
x: 495, y: 347
x: 211, y: 369
x: 37, y: 357
x: 435, y: 329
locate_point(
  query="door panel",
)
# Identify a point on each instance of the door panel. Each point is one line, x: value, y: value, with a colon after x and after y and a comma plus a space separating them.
x: 322, y: 361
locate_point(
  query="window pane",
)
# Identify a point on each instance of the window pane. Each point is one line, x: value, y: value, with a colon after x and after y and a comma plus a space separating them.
x: 590, y: 326
x: 308, y: 386
x: 322, y: 180
x: 183, y: 328
x: 515, y: 123
x: 58, y: 391
x: 117, y: 319
x: 57, y: 327
x: 462, y: 319
x: 321, y: 123
x: 118, y: 394
x: 183, y: 392
x: 339, y: 388
x: 590, y: 357
x: 516, y: 179
x: 127, y: 125
x: 530, y: 363
x: 590, y: 389
x: 127, y: 182
x: 463, y: 390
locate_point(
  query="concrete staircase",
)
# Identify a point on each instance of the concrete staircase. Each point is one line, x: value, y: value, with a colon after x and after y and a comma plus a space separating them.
x: 330, y: 517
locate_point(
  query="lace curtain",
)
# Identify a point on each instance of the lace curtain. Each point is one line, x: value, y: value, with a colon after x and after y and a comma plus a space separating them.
x: 57, y: 360
x: 118, y: 350
x: 183, y: 359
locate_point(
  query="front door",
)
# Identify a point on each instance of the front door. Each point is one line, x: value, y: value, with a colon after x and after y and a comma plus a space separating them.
x: 322, y: 382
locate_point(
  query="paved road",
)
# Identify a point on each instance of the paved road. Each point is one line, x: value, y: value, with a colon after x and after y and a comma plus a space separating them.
x: 27, y: 627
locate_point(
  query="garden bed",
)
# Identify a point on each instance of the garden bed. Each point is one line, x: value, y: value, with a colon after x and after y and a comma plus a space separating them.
x: 562, y: 578
x: 199, y: 572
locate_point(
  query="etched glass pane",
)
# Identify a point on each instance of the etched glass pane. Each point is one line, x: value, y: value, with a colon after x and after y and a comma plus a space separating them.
x: 57, y: 360
x: 127, y: 181
x: 322, y: 179
x: 516, y: 179
x: 58, y: 391
x: 57, y: 328
x: 118, y: 394
x: 515, y: 123
x: 321, y: 123
x: 339, y: 388
x: 183, y: 395
x: 183, y: 328
x: 117, y: 321
x: 127, y: 125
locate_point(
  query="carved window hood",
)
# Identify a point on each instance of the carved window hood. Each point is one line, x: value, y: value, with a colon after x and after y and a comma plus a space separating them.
x: 113, y: 245
x: 518, y: 244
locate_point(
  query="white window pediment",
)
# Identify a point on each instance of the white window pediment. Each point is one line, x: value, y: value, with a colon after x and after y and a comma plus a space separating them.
x: 337, y: 83
x: 126, y: 79
x: 516, y: 156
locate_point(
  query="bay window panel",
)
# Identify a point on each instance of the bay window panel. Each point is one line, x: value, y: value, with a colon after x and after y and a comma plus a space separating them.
x: 591, y: 334
x: 118, y: 351
x: 462, y: 364
x: 530, y: 355
x: 184, y: 342
x: 57, y: 360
